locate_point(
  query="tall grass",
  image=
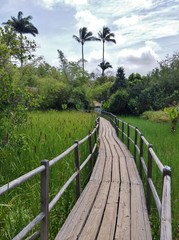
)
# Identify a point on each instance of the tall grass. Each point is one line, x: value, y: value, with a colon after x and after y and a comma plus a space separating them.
x: 46, y: 135
x: 166, y: 146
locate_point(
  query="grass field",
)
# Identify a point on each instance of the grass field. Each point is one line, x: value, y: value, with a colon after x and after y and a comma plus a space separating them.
x: 46, y: 135
x: 166, y: 146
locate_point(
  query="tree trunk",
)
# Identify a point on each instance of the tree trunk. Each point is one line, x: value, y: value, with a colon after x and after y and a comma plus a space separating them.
x: 83, y: 58
x: 21, y: 49
x: 103, y: 49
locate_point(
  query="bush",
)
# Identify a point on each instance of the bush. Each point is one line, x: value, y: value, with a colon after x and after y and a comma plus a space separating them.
x: 173, y: 113
x: 156, y: 116
x: 118, y: 102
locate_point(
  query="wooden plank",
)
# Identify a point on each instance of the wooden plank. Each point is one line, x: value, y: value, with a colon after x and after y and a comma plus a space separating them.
x: 166, y: 231
x: 138, y: 220
x: 107, y: 170
x: 123, y: 170
x: 115, y: 170
x: 79, y: 213
x: 122, y: 146
x: 92, y: 225
x: 132, y: 170
x: 99, y: 167
x: 145, y: 212
x: 112, y: 205
x: 123, y: 220
x: 109, y: 219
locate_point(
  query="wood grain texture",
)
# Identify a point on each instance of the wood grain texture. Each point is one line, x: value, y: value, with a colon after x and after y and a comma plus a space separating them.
x: 112, y: 206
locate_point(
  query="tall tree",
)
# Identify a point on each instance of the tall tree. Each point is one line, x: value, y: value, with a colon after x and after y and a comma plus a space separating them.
x: 22, y: 26
x: 106, y: 36
x: 120, y: 82
x: 84, y: 36
x: 104, y: 65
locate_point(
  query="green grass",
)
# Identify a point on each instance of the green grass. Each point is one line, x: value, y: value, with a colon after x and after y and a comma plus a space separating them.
x: 166, y: 146
x: 46, y: 135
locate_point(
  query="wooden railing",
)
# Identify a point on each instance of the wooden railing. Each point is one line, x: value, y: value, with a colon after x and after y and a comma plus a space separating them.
x: 137, y: 139
x: 44, y: 169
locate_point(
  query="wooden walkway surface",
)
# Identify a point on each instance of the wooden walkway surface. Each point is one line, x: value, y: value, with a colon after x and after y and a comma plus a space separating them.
x: 112, y: 205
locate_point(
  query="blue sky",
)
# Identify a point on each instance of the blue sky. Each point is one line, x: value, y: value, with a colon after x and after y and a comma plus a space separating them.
x: 145, y: 30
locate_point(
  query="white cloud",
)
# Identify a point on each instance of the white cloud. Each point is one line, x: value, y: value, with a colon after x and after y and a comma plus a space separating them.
x: 140, y: 60
x: 145, y: 4
x: 86, y: 18
x: 76, y: 3
x: 50, y: 4
x: 126, y: 21
x: 153, y: 45
x: 95, y: 55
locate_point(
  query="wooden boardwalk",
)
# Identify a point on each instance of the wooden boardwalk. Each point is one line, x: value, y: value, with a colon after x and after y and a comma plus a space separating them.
x: 112, y: 205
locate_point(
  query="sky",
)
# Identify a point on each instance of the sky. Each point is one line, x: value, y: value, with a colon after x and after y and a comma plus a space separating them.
x: 146, y: 31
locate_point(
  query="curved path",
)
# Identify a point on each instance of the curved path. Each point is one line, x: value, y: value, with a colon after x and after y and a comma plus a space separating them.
x: 112, y: 205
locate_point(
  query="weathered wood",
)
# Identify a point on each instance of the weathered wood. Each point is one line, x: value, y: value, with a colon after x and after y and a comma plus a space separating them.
x: 90, y: 151
x: 107, y: 228
x: 138, y: 221
x: 20, y: 180
x: 44, y: 200
x: 132, y: 171
x: 93, y: 222
x: 149, y: 176
x: 122, y: 131
x: 141, y: 154
x: 77, y: 164
x: 165, y: 229
x: 113, y: 194
x: 135, y: 143
x: 123, y: 221
x: 156, y: 159
x: 79, y: 213
x: 128, y: 136
x: 145, y: 213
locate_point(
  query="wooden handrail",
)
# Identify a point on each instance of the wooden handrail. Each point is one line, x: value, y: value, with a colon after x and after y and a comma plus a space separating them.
x: 43, y: 216
x: 163, y: 205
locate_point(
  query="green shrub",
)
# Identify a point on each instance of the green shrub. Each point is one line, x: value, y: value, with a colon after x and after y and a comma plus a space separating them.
x: 173, y: 113
x: 118, y: 102
x: 156, y: 116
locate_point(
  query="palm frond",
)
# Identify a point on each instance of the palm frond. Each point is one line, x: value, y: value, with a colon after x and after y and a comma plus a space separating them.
x: 110, y: 40
x: 19, y: 16
x: 22, y: 25
x: 77, y: 38
x: 106, y: 35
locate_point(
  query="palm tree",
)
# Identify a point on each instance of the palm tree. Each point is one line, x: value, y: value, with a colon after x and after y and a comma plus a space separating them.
x: 84, y: 36
x: 104, y: 65
x: 23, y: 26
x: 107, y: 36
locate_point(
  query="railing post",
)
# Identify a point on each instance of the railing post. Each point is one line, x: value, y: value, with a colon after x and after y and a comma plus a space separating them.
x: 141, y: 154
x: 122, y: 131
x: 77, y: 164
x: 135, y: 143
x: 165, y: 223
x: 128, y: 136
x: 90, y: 151
x: 44, y: 200
x: 149, y: 175
x: 117, y: 126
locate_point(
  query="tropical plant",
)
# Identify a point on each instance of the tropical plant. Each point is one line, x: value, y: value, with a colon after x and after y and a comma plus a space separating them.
x: 22, y: 26
x: 104, y: 65
x: 84, y: 36
x: 106, y: 36
x: 173, y: 113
